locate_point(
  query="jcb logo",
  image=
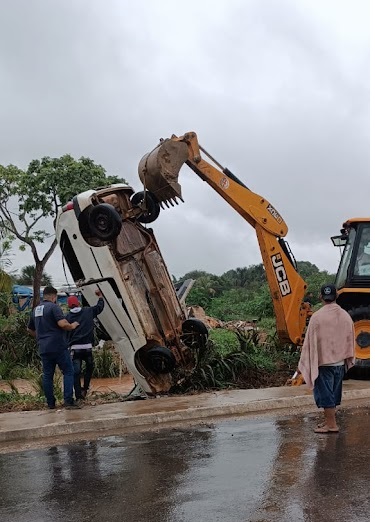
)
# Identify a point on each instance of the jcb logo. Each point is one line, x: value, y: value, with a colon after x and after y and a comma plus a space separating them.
x: 281, y: 276
x: 275, y: 214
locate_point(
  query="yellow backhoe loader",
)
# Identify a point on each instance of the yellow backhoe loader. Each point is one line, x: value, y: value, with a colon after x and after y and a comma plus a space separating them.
x: 159, y: 171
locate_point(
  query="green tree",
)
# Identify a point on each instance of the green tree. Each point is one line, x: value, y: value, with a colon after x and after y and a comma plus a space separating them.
x: 40, y: 190
x: 6, y: 281
x: 249, y: 277
x: 316, y: 281
x: 27, y: 276
x: 307, y: 269
x: 261, y: 303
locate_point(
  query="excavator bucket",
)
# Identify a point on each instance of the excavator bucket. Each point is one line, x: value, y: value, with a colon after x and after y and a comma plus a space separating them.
x: 159, y: 169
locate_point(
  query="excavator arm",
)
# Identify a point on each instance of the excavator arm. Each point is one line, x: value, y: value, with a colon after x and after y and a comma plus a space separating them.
x: 159, y: 171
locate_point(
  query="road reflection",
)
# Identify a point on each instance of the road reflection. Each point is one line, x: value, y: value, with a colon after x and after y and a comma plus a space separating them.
x: 245, y: 470
x: 318, y: 477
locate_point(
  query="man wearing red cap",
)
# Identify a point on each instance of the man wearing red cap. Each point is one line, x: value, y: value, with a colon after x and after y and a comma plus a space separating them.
x: 81, y: 341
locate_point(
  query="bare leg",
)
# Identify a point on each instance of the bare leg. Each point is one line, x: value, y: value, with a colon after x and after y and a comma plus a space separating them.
x: 330, y: 418
x: 329, y: 423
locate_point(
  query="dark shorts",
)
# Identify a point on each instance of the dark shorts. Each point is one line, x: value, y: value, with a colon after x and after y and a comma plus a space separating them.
x: 328, y: 386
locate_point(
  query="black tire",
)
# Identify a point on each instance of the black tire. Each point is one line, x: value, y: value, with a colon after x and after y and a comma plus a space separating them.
x: 152, y: 205
x: 159, y: 360
x: 104, y: 222
x: 361, y: 318
x: 194, y: 333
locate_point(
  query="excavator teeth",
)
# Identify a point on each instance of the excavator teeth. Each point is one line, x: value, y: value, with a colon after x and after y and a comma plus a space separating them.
x: 166, y: 203
x: 171, y: 202
x: 161, y: 204
x: 175, y: 200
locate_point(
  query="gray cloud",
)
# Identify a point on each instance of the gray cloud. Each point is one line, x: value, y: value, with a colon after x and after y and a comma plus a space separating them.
x: 277, y: 91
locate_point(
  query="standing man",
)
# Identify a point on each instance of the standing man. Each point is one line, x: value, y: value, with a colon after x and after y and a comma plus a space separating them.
x: 327, y: 352
x: 48, y: 324
x: 81, y: 341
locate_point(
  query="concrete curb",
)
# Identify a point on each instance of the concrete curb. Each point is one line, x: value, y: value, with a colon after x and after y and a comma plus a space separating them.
x: 117, y: 420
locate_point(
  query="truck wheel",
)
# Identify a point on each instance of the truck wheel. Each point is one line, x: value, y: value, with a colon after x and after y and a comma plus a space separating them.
x: 159, y: 359
x: 104, y: 222
x: 152, y: 205
x: 194, y: 333
x: 361, y: 320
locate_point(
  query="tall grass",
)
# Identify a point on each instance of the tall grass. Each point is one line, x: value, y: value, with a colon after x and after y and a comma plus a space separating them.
x: 107, y: 361
x: 247, y: 361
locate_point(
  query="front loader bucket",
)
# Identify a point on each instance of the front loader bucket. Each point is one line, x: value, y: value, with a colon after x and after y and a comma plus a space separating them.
x: 158, y: 170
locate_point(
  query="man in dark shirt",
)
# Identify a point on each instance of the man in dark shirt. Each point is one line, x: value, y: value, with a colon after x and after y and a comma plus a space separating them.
x: 81, y: 341
x: 48, y: 324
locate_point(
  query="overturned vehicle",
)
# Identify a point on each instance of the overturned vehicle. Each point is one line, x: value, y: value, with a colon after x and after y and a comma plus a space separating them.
x: 106, y: 245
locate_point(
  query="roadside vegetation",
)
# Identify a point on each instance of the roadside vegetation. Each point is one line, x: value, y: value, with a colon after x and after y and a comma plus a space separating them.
x: 235, y: 358
x: 243, y: 293
x: 239, y: 359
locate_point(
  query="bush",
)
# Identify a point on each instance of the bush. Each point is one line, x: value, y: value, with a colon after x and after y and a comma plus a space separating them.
x: 219, y: 366
x: 107, y: 361
x: 224, y: 341
x: 16, y: 345
x: 10, y: 401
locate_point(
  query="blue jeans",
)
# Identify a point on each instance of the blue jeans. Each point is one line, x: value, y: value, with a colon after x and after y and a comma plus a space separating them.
x: 328, y: 386
x: 64, y: 362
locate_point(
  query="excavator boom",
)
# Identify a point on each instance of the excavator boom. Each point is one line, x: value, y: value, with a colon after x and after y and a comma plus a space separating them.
x: 159, y: 171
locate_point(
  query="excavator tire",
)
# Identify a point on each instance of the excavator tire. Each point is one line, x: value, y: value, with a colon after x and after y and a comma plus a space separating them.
x: 152, y: 205
x: 361, y: 320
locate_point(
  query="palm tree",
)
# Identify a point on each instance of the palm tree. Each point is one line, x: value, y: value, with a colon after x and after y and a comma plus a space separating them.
x: 27, y: 277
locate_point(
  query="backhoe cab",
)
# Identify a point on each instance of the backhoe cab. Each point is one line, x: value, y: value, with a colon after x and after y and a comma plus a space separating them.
x: 353, y: 286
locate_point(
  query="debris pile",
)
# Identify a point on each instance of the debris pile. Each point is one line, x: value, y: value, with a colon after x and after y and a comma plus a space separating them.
x: 198, y: 313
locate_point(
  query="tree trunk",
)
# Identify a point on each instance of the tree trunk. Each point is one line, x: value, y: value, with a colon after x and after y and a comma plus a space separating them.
x: 39, y: 267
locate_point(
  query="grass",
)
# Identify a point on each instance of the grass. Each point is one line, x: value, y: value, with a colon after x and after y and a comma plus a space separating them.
x: 14, y: 401
x: 107, y: 362
x: 224, y: 341
x: 238, y: 359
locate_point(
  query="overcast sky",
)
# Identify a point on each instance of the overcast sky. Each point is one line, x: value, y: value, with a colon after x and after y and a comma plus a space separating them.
x: 277, y: 91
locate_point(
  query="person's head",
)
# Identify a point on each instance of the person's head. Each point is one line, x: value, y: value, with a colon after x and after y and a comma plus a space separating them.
x: 328, y: 293
x: 73, y: 301
x: 50, y: 294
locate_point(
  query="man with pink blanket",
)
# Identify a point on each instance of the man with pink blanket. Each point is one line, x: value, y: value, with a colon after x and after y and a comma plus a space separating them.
x: 327, y: 353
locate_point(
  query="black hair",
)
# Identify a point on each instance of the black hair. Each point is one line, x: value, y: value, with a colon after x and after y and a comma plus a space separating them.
x: 49, y: 290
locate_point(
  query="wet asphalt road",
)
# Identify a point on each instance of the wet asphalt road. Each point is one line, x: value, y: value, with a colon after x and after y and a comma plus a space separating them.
x: 264, y: 469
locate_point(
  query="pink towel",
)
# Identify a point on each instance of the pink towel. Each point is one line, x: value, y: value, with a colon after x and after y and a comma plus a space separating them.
x: 329, y: 339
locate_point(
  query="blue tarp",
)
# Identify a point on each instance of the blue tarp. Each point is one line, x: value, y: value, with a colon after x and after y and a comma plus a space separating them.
x: 25, y: 294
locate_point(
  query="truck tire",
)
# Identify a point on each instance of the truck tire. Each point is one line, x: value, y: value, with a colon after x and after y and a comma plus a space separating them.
x: 104, y: 222
x: 361, y: 320
x: 159, y: 360
x: 152, y: 205
x: 194, y: 333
